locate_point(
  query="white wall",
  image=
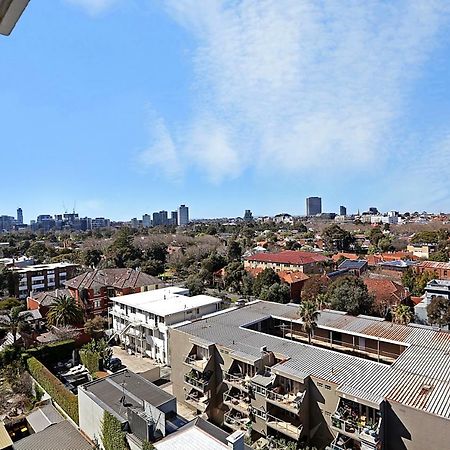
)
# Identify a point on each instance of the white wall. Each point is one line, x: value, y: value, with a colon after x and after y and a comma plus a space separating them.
x: 90, y: 416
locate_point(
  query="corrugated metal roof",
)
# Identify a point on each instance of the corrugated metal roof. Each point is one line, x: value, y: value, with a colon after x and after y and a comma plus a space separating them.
x: 5, y: 438
x: 426, y: 359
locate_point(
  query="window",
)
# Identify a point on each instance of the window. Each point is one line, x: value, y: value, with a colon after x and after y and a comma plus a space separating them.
x: 97, y: 304
x: 319, y: 384
x: 328, y: 388
x: 198, y: 310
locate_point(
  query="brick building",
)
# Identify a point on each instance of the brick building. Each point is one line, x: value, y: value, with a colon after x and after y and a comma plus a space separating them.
x: 93, y: 289
x: 441, y: 270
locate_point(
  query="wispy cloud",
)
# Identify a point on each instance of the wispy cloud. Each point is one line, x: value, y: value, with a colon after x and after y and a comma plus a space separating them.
x: 94, y: 7
x: 299, y: 84
x: 161, y: 153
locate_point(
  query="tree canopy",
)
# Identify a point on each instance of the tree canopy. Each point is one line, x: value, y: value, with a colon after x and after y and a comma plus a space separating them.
x: 438, y: 311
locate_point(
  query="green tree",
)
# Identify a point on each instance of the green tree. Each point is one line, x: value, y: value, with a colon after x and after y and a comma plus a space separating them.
x: 266, y: 278
x: 92, y: 257
x: 64, y: 311
x: 350, y: 294
x: 375, y: 235
x: 147, y: 446
x: 122, y: 250
x: 234, y: 252
x: 152, y: 267
x: 14, y: 321
x: 335, y: 238
x: 157, y: 252
x: 113, y: 437
x: 195, y: 285
x: 95, y: 327
x: 308, y: 315
x: 440, y: 256
x: 438, y: 311
x: 278, y: 293
x: 402, y: 314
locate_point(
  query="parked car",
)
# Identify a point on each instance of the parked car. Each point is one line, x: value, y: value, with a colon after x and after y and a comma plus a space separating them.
x: 114, y: 364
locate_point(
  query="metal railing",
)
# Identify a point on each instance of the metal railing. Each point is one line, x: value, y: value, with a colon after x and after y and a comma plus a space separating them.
x: 194, y: 360
x: 367, y: 433
x: 235, y: 422
x: 236, y: 402
x: 289, y: 400
x: 196, y: 382
x: 236, y: 380
x: 284, y: 426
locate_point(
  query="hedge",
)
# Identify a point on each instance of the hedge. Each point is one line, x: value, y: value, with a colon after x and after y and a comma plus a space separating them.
x: 113, y: 437
x: 53, y: 352
x: 57, y: 391
x: 90, y: 360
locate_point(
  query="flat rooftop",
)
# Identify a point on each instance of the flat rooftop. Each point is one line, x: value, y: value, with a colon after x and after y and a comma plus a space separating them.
x: 425, y: 362
x: 166, y: 301
x: 135, y: 389
x: 51, y: 266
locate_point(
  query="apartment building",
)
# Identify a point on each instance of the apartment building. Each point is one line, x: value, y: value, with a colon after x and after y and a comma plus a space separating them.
x: 292, y: 260
x: 93, y: 289
x: 141, y: 321
x: 364, y: 383
x: 43, y: 277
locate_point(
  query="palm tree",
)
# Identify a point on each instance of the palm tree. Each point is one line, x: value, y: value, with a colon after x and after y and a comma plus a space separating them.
x: 64, y: 311
x: 14, y: 321
x: 308, y: 313
x: 402, y: 314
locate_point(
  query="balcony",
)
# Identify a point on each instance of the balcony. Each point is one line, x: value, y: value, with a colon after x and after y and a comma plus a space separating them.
x: 197, y: 380
x: 197, y: 362
x: 287, y: 428
x: 236, y: 421
x: 239, y: 381
x: 198, y: 400
x: 238, y: 401
x: 289, y: 401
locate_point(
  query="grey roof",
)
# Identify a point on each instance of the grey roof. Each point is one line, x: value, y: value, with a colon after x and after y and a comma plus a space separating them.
x: 426, y: 358
x: 41, y: 418
x: 353, y: 264
x: 110, y: 390
x: 59, y: 436
x: 47, y: 298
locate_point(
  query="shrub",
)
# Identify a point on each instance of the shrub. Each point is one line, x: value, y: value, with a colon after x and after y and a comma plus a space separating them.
x: 90, y: 360
x: 65, y: 399
x: 53, y: 352
x: 113, y: 437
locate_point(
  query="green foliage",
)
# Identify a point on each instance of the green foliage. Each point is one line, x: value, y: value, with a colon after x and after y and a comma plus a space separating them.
x: 350, y: 294
x: 9, y: 303
x: 195, y: 285
x: 152, y: 267
x: 439, y: 311
x: 335, y: 238
x: 402, y: 314
x: 309, y: 315
x: 278, y: 293
x: 440, y: 256
x: 147, y: 446
x: 234, y: 252
x: 92, y: 257
x: 64, y: 311
x: 122, y: 250
x: 64, y: 398
x: 90, y: 360
x: 313, y: 287
x: 52, y: 352
x: 266, y: 278
x: 430, y: 237
x: 113, y: 437
x: 95, y: 327
x: 95, y: 355
x: 14, y: 322
x: 416, y: 283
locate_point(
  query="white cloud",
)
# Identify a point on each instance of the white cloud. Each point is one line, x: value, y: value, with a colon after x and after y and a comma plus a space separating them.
x: 94, y: 7
x: 301, y: 84
x: 161, y: 153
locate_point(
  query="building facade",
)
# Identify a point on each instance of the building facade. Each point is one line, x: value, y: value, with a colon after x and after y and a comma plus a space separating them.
x: 363, y: 383
x: 183, y: 215
x: 141, y: 321
x: 313, y: 206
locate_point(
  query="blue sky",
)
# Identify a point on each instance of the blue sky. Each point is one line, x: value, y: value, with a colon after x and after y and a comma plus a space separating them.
x: 124, y: 107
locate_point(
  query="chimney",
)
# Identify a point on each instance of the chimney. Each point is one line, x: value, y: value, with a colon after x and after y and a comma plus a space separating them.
x: 236, y: 441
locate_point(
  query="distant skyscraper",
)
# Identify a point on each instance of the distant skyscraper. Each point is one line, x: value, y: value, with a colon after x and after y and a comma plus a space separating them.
x: 174, y: 218
x: 19, y: 216
x: 342, y: 211
x: 183, y: 215
x: 146, y: 221
x: 313, y: 206
x: 248, y: 216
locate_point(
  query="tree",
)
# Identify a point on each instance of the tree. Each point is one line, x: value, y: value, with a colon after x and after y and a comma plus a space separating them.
x: 123, y: 251
x: 402, y: 314
x: 92, y: 257
x: 147, y: 446
x: 313, y: 287
x: 416, y: 283
x: 64, y: 311
x: 335, y: 238
x: 152, y: 267
x: 350, y: 294
x: 14, y: 321
x: 157, y: 251
x: 438, y: 311
x: 375, y: 235
x: 440, y: 256
x: 95, y: 327
x: 278, y: 293
x: 309, y: 315
x: 234, y: 251
x: 195, y: 285
x: 265, y: 279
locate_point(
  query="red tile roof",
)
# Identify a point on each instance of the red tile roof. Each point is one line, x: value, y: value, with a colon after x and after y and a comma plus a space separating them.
x: 386, y: 291
x: 288, y: 257
x: 286, y: 276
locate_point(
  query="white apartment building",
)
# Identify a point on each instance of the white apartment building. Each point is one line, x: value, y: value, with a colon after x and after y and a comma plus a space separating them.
x: 141, y: 321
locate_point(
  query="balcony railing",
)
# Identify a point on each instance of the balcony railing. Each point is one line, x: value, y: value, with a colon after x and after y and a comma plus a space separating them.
x: 197, y: 362
x: 198, y: 401
x: 366, y: 433
x: 237, y: 402
x: 236, y: 421
x: 199, y: 383
x: 237, y: 380
x: 289, y: 401
x: 284, y: 427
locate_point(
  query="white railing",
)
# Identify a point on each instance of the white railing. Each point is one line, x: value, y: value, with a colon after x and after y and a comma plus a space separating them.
x: 284, y: 427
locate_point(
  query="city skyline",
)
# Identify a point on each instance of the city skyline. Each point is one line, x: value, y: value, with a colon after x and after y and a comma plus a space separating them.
x: 151, y: 104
